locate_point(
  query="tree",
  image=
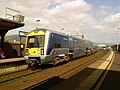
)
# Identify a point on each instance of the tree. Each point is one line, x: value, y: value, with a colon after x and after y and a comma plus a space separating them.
x: 23, y: 40
x: 8, y: 39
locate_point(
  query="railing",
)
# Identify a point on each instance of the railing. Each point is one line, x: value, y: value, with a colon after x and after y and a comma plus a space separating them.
x: 14, y: 15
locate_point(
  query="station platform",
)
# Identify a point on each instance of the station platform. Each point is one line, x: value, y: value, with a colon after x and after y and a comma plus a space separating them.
x: 101, y: 75
x: 12, y: 64
x: 11, y: 60
x: 112, y: 79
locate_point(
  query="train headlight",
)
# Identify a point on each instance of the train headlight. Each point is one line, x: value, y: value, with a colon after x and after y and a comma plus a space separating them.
x: 42, y: 51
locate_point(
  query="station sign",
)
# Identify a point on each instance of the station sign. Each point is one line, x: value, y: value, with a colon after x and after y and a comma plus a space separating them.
x: 22, y: 34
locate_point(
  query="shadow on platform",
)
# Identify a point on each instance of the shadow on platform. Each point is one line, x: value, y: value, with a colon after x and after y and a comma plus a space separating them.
x: 111, y: 82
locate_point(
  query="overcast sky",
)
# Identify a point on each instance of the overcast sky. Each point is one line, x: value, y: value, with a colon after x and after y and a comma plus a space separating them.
x: 98, y: 20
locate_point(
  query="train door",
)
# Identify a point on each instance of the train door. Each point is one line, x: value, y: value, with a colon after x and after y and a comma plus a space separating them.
x: 71, y: 47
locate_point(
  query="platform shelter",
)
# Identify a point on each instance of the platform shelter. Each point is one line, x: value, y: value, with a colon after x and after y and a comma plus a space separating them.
x: 5, y: 26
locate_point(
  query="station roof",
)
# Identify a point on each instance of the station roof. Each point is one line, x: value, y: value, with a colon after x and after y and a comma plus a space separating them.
x: 6, y: 25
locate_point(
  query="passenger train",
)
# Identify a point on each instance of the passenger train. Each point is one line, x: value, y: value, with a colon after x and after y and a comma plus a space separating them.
x: 44, y: 46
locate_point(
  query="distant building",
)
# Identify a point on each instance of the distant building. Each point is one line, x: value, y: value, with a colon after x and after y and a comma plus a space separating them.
x: 100, y: 46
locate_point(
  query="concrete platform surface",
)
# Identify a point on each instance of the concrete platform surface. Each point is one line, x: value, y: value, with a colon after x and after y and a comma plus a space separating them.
x: 112, y: 79
x: 11, y: 60
x: 88, y: 78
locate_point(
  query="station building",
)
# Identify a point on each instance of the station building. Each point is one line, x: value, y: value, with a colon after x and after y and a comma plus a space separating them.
x: 7, y: 24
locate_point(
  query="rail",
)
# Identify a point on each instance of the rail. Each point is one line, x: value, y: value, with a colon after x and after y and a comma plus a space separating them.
x: 24, y: 75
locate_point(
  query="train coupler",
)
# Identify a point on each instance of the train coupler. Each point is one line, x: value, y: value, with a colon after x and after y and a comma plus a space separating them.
x: 33, y: 63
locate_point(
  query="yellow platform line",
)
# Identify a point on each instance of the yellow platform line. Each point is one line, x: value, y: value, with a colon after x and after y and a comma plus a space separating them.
x: 92, y: 79
x: 106, y: 72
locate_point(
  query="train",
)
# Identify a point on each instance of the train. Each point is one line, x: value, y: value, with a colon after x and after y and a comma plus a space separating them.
x: 116, y: 47
x: 44, y: 46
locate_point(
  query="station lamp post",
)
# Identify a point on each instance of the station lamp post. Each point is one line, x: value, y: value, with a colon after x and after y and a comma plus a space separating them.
x: 62, y: 29
x: 117, y: 39
x: 37, y: 21
x: 22, y: 34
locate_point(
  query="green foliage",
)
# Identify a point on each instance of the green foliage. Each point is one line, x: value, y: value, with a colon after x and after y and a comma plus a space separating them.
x: 23, y: 40
x: 10, y: 40
x: 14, y: 39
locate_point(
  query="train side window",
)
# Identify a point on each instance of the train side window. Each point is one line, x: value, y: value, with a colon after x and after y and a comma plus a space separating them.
x: 57, y: 45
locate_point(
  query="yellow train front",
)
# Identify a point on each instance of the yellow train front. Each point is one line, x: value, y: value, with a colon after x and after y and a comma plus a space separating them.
x: 37, y: 47
x: 45, y: 46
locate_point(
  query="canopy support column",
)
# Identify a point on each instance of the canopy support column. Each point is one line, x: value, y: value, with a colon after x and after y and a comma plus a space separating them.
x: 2, y: 42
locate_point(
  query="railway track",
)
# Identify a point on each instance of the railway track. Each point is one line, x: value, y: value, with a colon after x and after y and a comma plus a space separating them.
x: 64, y: 75
x: 18, y: 74
x: 25, y: 77
x: 15, y: 75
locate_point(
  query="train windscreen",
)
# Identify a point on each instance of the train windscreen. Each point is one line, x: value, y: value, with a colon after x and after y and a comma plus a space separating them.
x: 35, y: 41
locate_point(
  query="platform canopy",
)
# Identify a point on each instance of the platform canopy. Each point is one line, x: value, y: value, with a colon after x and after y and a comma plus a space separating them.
x: 6, y: 25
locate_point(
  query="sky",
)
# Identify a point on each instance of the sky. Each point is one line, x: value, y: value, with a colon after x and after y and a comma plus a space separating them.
x: 98, y: 20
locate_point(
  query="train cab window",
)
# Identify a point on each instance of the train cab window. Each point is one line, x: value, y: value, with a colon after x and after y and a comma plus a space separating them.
x: 31, y: 41
x: 35, y: 41
x: 40, y: 41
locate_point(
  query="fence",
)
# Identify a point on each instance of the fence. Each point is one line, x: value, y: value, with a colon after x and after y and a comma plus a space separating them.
x: 13, y: 50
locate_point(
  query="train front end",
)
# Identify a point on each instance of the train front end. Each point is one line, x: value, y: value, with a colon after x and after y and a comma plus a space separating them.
x: 35, y: 48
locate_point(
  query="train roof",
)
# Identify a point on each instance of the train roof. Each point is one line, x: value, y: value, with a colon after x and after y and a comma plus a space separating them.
x: 52, y: 31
